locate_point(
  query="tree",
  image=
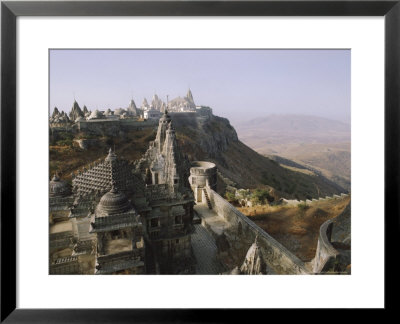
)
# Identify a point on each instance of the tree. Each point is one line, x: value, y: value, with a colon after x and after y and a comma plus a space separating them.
x: 230, y: 196
x: 261, y: 196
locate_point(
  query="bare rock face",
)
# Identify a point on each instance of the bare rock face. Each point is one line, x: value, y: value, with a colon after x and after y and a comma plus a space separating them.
x: 212, y: 134
x: 219, y: 135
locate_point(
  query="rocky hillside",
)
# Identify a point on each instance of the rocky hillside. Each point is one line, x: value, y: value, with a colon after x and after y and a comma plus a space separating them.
x: 214, y: 139
x: 209, y: 138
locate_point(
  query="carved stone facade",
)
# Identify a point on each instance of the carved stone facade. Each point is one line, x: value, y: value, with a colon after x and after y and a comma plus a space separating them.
x: 168, y: 219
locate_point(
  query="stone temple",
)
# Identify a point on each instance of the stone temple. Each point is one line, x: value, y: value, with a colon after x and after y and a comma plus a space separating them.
x: 131, y: 218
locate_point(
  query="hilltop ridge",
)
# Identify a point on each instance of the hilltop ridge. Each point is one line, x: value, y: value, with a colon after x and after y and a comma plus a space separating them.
x: 202, y: 137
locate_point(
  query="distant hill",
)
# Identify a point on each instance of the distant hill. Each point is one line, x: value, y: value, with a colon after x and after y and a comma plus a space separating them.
x: 297, y: 123
x: 316, y: 143
x: 284, y: 129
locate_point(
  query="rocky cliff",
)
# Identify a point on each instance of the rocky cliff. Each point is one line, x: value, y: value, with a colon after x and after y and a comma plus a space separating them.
x: 213, y: 138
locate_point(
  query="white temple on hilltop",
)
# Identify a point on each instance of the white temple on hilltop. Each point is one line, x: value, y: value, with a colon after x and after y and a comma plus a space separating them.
x: 154, y: 110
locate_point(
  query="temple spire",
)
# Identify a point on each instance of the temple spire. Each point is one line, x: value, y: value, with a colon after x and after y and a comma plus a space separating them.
x: 111, y: 155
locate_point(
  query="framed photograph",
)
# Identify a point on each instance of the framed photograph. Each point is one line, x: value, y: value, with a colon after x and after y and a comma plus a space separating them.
x: 201, y: 151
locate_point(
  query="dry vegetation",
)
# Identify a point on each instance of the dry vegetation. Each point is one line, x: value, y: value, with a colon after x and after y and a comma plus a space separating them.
x: 296, y: 227
x: 68, y: 158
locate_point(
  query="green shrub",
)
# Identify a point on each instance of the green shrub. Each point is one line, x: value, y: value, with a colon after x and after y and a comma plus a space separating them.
x: 230, y: 196
x: 303, y: 206
x: 65, y: 142
x: 261, y: 196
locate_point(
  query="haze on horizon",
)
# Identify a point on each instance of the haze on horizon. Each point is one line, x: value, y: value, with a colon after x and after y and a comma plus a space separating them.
x: 237, y: 84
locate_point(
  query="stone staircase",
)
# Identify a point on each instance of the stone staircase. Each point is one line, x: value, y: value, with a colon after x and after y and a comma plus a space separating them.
x: 207, y: 198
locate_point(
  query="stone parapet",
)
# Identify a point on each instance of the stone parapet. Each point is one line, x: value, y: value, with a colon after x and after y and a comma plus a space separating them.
x: 326, y: 254
x: 278, y: 258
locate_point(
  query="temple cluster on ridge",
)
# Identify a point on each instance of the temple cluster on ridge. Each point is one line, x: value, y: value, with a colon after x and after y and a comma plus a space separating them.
x: 154, y: 110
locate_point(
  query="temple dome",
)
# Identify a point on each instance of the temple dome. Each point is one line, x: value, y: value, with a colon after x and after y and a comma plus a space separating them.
x: 58, y: 187
x: 119, y: 111
x: 108, y: 112
x: 95, y: 115
x: 112, y: 203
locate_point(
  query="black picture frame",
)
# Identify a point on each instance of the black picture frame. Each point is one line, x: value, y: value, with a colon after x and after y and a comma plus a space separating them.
x: 10, y: 10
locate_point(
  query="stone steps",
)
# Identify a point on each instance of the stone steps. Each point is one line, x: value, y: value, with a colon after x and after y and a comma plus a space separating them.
x: 207, y: 198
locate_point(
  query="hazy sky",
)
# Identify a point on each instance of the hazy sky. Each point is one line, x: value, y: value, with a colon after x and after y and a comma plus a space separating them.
x: 237, y: 84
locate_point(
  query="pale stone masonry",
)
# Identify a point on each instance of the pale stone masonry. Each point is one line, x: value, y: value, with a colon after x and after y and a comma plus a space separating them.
x: 134, y: 217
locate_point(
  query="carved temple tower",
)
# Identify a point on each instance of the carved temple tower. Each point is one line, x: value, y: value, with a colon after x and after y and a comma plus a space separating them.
x: 169, y: 222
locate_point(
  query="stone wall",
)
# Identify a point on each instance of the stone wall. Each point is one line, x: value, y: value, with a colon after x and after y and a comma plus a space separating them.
x: 277, y: 257
x: 295, y: 202
x: 113, y: 127
x: 326, y: 254
x: 333, y: 253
